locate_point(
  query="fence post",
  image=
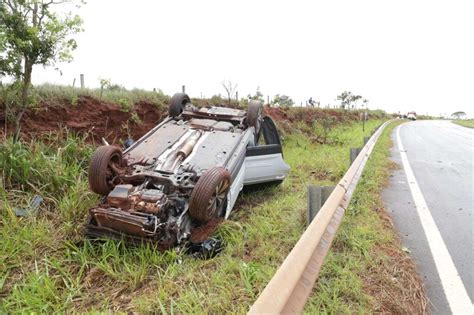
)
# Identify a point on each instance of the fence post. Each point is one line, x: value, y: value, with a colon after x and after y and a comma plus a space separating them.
x: 82, y: 81
x: 183, y: 88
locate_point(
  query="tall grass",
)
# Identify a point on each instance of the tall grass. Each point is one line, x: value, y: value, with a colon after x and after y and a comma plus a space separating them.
x: 55, y: 169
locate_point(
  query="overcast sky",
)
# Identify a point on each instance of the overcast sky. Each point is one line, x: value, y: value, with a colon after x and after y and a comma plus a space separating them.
x: 401, y: 55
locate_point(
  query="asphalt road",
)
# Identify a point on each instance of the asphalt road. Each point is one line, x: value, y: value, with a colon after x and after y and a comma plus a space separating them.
x: 431, y: 202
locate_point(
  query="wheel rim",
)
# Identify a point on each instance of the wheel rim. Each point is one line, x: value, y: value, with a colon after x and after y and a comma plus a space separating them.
x: 112, y: 173
x: 218, y: 198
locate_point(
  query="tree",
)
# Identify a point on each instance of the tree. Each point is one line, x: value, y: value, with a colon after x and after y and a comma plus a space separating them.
x: 33, y: 33
x: 282, y: 100
x: 458, y: 115
x: 365, y: 103
x: 104, y: 84
x: 230, y: 89
x: 348, y: 100
x: 344, y: 98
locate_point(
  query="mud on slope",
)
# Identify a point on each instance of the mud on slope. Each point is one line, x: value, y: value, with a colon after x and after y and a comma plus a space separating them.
x: 96, y: 118
x: 90, y: 116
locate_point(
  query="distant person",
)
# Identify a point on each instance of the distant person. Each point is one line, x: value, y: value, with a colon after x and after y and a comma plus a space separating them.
x: 311, y: 102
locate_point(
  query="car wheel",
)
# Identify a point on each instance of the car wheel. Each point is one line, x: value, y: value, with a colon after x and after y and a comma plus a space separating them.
x: 254, y: 117
x: 209, y: 196
x: 104, y: 169
x: 177, y: 104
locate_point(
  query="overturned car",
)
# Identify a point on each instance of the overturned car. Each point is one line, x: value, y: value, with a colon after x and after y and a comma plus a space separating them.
x: 184, y: 173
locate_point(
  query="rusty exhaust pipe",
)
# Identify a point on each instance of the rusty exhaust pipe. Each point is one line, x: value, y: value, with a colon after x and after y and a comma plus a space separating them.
x: 186, y: 149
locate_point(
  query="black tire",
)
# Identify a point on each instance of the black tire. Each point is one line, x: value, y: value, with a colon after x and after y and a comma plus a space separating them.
x: 102, y: 169
x: 209, y: 196
x: 177, y: 104
x: 254, y: 117
x: 254, y: 113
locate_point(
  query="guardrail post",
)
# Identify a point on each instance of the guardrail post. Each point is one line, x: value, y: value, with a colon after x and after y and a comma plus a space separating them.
x: 314, y: 202
x: 317, y: 196
x: 354, y: 152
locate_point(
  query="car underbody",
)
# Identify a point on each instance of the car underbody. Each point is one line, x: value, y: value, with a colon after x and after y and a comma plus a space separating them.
x: 183, y: 175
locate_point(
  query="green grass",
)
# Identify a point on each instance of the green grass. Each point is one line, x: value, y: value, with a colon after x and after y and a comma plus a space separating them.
x: 47, y: 266
x: 356, y: 262
x: 469, y: 123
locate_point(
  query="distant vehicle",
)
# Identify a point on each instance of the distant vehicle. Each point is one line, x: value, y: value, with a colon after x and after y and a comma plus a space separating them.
x: 411, y: 115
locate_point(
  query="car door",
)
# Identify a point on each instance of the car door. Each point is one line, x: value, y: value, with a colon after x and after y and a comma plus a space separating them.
x: 264, y: 162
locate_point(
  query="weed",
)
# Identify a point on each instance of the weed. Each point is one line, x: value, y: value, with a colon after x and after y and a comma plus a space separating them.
x: 124, y: 104
x: 135, y: 118
x: 74, y: 99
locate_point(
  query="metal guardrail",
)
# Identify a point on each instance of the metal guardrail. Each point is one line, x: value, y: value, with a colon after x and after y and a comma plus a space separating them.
x: 291, y: 286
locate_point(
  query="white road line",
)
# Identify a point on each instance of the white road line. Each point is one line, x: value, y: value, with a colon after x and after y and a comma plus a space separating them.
x: 454, y: 289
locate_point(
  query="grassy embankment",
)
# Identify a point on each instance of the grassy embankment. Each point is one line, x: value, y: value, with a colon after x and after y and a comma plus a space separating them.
x: 469, y: 123
x: 46, y: 266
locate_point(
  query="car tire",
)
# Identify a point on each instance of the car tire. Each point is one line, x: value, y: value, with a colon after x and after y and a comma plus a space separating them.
x: 254, y: 113
x: 177, y: 104
x: 105, y: 162
x: 209, y: 196
x: 254, y: 117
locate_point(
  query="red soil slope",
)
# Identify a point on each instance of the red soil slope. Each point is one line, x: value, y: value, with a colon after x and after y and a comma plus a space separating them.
x: 90, y: 116
x: 99, y: 119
